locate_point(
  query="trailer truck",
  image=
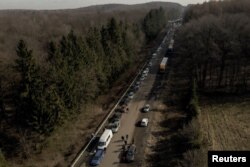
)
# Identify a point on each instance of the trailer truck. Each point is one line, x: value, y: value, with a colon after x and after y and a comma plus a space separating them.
x: 163, y: 65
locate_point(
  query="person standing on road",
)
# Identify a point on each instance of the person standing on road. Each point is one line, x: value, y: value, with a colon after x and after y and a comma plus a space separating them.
x: 123, y: 147
x: 126, y: 136
x: 122, y: 137
x: 133, y: 141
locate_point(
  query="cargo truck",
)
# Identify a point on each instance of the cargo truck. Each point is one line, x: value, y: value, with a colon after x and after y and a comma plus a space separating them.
x: 163, y: 65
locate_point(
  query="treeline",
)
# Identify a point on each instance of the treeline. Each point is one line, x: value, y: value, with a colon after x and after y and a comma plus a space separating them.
x: 216, y: 46
x: 216, y: 8
x: 211, y: 49
x: 154, y: 22
x: 78, y: 70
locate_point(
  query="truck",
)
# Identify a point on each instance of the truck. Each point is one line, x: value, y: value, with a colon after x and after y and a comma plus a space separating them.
x: 170, y: 48
x: 163, y: 64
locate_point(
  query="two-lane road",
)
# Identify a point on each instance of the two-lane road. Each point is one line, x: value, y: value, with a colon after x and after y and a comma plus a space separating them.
x: 129, y: 120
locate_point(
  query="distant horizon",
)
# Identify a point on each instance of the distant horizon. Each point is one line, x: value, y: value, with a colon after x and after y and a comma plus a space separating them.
x: 69, y: 4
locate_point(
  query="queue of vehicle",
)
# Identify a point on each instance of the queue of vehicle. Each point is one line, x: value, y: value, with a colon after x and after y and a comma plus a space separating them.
x: 114, y: 123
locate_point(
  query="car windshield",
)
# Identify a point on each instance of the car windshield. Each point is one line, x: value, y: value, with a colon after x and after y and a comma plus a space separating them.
x: 101, y: 143
x: 96, y: 158
x: 130, y: 153
x: 110, y: 126
x: 113, y: 125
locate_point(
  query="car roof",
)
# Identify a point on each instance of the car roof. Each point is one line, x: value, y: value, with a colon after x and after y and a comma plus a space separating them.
x: 144, y: 119
x: 105, y: 134
x: 115, y: 122
x: 132, y: 147
x: 99, y: 152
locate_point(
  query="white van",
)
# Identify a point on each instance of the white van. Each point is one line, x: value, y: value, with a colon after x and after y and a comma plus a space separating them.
x: 105, y: 139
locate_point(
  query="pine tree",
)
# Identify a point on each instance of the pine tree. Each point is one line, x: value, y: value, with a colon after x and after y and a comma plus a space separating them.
x: 30, y: 86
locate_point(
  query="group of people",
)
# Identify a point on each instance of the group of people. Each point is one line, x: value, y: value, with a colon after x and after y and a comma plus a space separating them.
x: 125, y: 140
x: 125, y: 108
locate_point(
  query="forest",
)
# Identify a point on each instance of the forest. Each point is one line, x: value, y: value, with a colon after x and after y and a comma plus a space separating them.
x: 74, y: 70
x: 211, y: 56
x: 214, y: 43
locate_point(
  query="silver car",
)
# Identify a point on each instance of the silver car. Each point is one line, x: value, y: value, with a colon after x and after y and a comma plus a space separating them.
x: 146, y: 108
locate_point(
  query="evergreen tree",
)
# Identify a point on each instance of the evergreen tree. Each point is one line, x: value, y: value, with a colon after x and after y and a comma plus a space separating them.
x: 37, y: 104
x: 153, y: 23
x: 30, y: 86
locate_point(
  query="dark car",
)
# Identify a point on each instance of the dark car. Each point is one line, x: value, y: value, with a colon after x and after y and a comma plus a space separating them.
x: 124, y: 101
x: 116, y: 117
x: 120, y: 109
x: 97, y: 158
x: 130, y: 153
x: 134, y: 88
x: 137, y: 83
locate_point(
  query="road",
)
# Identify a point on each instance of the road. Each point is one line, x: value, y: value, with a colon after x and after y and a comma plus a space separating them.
x: 145, y: 95
x: 129, y: 120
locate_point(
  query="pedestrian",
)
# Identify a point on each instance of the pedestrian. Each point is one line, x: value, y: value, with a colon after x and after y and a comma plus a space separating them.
x: 122, y: 137
x: 123, y: 147
x: 127, y: 109
x: 126, y: 136
x: 133, y: 141
x: 126, y: 142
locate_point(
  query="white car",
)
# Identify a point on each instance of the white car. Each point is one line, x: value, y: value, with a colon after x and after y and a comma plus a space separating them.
x: 144, y: 75
x: 154, y: 55
x: 142, y: 78
x: 131, y: 95
x: 159, y: 49
x: 137, y: 83
x: 144, y: 72
x: 146, y: 108
x: 144, y: 122
x: 114, y: 126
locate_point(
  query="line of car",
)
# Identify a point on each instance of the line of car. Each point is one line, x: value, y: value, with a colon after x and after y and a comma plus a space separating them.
x: 114, y: 123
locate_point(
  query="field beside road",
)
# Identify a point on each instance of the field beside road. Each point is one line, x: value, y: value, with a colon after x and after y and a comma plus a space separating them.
x: 225, y: 125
